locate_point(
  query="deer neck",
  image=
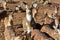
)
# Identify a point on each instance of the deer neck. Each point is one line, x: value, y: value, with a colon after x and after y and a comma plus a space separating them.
x: 28, y: 15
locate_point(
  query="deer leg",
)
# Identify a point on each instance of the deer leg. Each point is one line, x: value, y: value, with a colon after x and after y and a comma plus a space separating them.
x: 56, y: 24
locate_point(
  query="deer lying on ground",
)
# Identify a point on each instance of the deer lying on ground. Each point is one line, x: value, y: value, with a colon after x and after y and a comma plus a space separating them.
x: 9, y: 34
x: 27, y: 21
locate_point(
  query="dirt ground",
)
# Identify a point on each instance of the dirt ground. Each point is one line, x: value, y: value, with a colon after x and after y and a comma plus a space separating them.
x: 44, y: 25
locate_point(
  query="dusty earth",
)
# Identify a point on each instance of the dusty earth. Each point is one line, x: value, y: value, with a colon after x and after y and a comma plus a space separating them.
x: 43, y: 26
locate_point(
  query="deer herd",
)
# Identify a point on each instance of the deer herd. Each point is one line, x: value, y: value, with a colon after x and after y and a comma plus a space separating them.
x: 30, y: 14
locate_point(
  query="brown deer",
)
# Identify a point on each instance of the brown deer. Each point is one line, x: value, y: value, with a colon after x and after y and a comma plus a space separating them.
x: 9, y: 33
x: 57, y: 18
x: 34, y: 10
x: 27, y: 21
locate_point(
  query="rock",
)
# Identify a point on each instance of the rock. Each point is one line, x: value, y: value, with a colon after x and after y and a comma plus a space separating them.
x: 37, y: 35
x: 50, y: 31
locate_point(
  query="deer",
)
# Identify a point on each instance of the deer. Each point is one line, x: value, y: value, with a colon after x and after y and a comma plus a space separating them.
x: 34, y: 10
x: 8, y: 33
x: 54, y: 15
x: 27, y: 21
x: 57, y: 18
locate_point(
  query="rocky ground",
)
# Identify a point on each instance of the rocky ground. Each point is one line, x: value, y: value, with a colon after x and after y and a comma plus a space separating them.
x: 43, y: 25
